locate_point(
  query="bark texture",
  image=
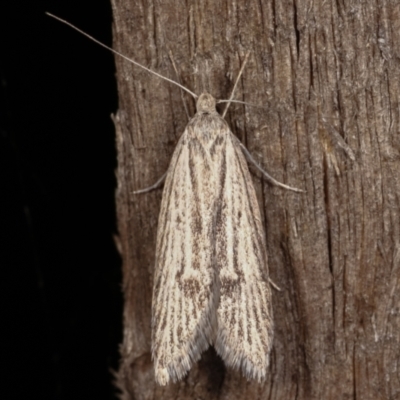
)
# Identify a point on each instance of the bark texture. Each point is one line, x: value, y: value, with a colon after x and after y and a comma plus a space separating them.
x: 329, y: 72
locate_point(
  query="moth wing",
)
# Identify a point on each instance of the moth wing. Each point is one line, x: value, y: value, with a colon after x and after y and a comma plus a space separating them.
x: 244, y: 313
x: 183, y: 294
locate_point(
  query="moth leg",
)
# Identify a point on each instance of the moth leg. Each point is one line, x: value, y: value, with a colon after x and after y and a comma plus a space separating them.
x: 274, y: 285
x: 152, y: 187
x: 266, y: 175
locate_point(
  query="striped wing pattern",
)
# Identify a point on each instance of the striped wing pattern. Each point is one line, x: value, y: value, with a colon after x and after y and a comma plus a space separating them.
x: 210, y: 258
x: 244, y: 312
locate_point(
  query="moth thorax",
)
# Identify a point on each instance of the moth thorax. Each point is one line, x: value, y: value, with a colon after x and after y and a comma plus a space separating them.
x: 206, y: 103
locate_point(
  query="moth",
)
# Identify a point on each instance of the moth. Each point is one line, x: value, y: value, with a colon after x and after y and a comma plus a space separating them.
x: 211, y: 259
x: 211, y: 271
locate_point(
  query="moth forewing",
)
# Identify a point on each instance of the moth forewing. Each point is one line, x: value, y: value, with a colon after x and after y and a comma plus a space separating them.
x: 184, y: 293
x: 245, y: 326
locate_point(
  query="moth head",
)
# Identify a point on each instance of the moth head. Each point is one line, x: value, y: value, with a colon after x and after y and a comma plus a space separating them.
x: 206, y: 103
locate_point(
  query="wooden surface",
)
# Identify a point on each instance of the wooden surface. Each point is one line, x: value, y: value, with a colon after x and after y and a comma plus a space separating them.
x: 328, y: 74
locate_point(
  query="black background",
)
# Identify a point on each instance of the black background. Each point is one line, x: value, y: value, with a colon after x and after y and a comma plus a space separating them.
x: 61, y: 279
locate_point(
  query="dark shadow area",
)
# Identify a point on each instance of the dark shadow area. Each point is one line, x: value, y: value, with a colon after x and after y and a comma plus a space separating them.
x: 61, y: 271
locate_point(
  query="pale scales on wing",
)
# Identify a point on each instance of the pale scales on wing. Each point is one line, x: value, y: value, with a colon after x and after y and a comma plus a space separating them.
x: 211, y: 257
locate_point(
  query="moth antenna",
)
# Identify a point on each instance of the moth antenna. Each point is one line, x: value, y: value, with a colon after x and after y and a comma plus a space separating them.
x: 177, y: 77
x: 120, y: 54
x: 241, y: 102
x: 237, y: 81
